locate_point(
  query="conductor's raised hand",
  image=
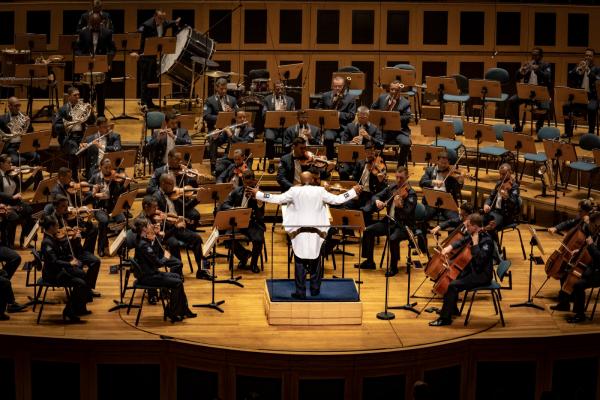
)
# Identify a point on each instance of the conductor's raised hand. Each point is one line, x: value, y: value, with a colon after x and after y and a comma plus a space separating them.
x: 358, y: 189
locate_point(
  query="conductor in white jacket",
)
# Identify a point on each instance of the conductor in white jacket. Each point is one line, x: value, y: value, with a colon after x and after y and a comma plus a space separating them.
x: 307, y: 223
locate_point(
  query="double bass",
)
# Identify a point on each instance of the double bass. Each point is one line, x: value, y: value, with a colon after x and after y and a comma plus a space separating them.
x: 558, y: 263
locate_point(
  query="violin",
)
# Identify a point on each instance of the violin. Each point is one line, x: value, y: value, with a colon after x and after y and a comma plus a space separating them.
x: 75, y: 187
x: 310, y: 159
x: 67, y: 233
x: 24, y: 169
x: 378, y: 166
x: 174, y: 218
x: 178, y: 192
x: 239, y: 171
x: 74, y: 212
x: 119, y: 177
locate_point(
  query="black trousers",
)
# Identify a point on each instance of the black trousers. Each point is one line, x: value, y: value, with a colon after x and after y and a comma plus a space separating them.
x: 189, y: 239
x: 103, y: 221
x: 70, y: 147
x: 80, y: 293
x: 403, y: 140
x: 303, y: 266
x: 22, y: 217
x: 591, y: 109
x: 270, y: 136
x: 147, y: 71
x: 11, y: 260
x: 433, y: 213
x: 465, y: 281
x: 329, y: 139
x: 6, y: 293
x: 213, y: 146
x: 590, y: 278
x: 380, y: 228
x: 256, y: 235
x: 513, y: 112
x: 177, y: 303
x: 89, y: 260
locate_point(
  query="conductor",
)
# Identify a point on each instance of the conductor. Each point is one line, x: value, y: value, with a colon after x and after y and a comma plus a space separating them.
x: 306, y: 222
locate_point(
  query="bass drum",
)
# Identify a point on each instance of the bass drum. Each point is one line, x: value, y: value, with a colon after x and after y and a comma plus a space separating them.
x: 178, y: 66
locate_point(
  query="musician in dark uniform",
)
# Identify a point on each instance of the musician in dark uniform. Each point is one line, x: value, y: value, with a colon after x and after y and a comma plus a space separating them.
x: 165, y: 139
x: 464, y: 210
x: 278, y: 101
x: 218, y: 102
x: 535, y: 72
x: 502, y: 206
x: 255, y: 231
x: 308, y: 132
x: 241, y: 133
x: 477, y: 273
x: 96, y: 40
x: 11, y: 147
x: 233, y: 171
x: 61, y: 266
x: 583, y: 76
x: 394, y: 101
x: 11, y: 261
x: 96, y: 9
x: 339, y: 99
x: 98, y: 144
x: 156, y: 26
x: 150, y: 264
x: 436, y: 177
x: 174, y: 166
x: 290, y: 165
x: 402, y: 211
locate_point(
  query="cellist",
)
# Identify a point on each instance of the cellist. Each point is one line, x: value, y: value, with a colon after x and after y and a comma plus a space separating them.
x: 477, y: 272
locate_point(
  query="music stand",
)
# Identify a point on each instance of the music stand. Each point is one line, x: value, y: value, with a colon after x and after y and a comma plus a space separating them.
x: 37, y: 42
x: 289, y: 71
x: 532, y: 94
x: 566, y: 95
x: 254, y: 149
x: 436, y: 129
x: 126, y: 42
x: 480, y: 133
x: 347, y: 219
x: 407, y: 77
x: 35, y: 141
x: 350, y: 153
x: 354, y: 80
x: 440, y: 85
x: 43, y: 190
x: 484, y: 89
x: 208, y: 246
x: 280, y: 119
x: 195, y: 153
x: 123, y: 205
x: 224, y: 119
x: 30, y: 71
x: 535, y: 241
x: 440, y: 200
x: 426, y: 154
x: 408, y: 306
x: 519, y: 143
x: 155, y: 46
x: 558, y: 152
x: 232, y: 220
x: 324, y: 119
x: 386, y: 120
x: 121, y: 159
x: 214, y: 192
x: 89, y: 65
x: 67, y: 45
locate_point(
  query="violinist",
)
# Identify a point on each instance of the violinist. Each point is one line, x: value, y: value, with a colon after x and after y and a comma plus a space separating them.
x: 77, y: 229
x: 583, y: 76
x: 11, y: 193
x: 302, y: 129
x: 61, y: 266
x: 256, y: 230
x: 291, y: 165
x: 235, y: 170
x: 464, y: 210
x: 108, y: 185
x: 502, y: 206
x: 441, y: 177
x: 150, y: 273
x: 278, y: 101
x: 401, y: 202
x: 165, y: 139
x: 339, y: 99
x: 98, y: 144
x: 478, y: 272
x: 243, y: 132
x: 176, y: 167
x: 19, y: 122
x: 394, y: 101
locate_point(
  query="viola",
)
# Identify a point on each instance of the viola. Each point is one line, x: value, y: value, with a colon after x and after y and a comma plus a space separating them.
x: 378, y: 166
x: 310, y: 159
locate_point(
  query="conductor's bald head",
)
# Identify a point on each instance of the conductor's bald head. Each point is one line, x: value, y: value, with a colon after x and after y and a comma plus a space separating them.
x: 306, y: 178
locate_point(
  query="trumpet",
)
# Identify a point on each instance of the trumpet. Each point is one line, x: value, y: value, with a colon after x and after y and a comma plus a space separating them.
x: 527, y: 67
x: 217, y: 131
x: 583, y: 67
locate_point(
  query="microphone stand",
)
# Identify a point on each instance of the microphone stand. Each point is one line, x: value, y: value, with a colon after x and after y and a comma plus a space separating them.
x: 387, y: 315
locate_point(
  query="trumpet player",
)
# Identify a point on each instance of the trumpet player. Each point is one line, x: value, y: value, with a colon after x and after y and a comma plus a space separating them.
x: 535, y: 72
x: 278, y: 101
x: 303, y: 129
x: 361, y: 132
x: 15, y: 124
x: 583, y: 76
x: 84, y: 20
x: 165, y: 139
x: 394, y: 101
x: 98, y: 144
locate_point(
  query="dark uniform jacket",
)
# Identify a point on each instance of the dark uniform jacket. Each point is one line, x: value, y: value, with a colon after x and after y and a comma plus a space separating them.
x: 162, y: 202
x: 374, y: 185
x: 154, y: 182
x: 402, y: 106
x: 7, y: 198
x: 212, y: 108
x: 147, y: 258
x: 544, y: 75
x: 576, y: 80
x: 482, y: 255
x: 269, y: 103
x: 404, y: 216
x: 346, y: 106
x: 452, y: 185
x: 114, y: 188
x: 351, y: 131
x: 148, y: 29
x: 235, y: 198
x: 509, y: 206
x: 85, y: 17
x: 56, y: 256
x: 157, y: 147
x: 104, y: 46
x: 292, y: 132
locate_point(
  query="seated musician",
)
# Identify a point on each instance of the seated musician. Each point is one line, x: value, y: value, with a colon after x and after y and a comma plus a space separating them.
x: 108, y: 185
x: 234, y: 171
x: 176, y: 167
x: 302, y: 129
x: 502, y: 206
x: 241, y: 133
x: 339, y: 99
x: 394, y: 101
x: 586, y: 207
x: 69, y: 125
x: 75, y: 198
x: 278, y: 101
x: 98, y: 144
x: 96, y: 9
x: 583, y: 76
x: 478, y: 272
x: 220, y: 101
x: 437, y: 178
x: 535, y: 72
x: 256, y: 230
x: 150, y: 263
x: 15, y: 124
x: 401, y: 202
x: 11, y: 261
x: 164, y: 140
x: 181, y: 211
x: 291, y: 165
x: 361, y: 132
x: 11, y: 194
x: 464, y: 210
x: 61, y: 266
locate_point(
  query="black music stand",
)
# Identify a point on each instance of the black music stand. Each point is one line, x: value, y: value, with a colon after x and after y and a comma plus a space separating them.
x: 35, y: 141
x: 408, y: 306
x: 122, y: 159
x: 437, y: 129
x: 440, y: 200
x: 480, y: 133
x: 158, y: 47
x: 558, y: 152
x: 224, y: 119
x: 30, y: 71
x: 386, y: 314
x: 422, y: 153
x: 484, y: 89
x: 535, y: 241
x: 440, y: 85
x: 347, y: 219
x: 350, y: 153
x: 532, y: 94
x: 34, y: 42
x: 386, y: 120
x: 234, y: 219
x: 123, y: 205
x: 192, y: 154
x: 324, y: 119
x: 89, y: 65
x: 214, y: 193
x: 126, y: 42
x: 211, y: 245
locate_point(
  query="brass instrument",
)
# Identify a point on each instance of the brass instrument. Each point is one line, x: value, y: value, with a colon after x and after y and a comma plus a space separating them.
x: 583, y: 67
x: 18, y: 126
x: 80, y: 113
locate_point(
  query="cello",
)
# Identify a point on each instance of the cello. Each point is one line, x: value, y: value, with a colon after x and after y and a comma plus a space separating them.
x: 580, y: 262
x: 455, y: 265
x: 436, y: 265
x: 558, y: 263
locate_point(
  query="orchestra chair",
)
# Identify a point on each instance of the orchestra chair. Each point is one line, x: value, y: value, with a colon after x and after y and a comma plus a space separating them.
x: 154, y: 120
x: 588, y: 142
x: 412, y: 92
x: 494, y: 289
x: 501, y: 75
x: 352, y: 69
x: 515, y: 227
x: 135, y: 268
x: 546, y: 133
x: 495, y: 151
x: 227, y: 238
x: 420, y: 223
x: 459, y: 129
x: 461, y: 99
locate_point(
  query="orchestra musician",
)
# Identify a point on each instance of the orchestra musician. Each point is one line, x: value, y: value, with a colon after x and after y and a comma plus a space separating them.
x: 478, y: 271
x: 308, y: 210
x: 339, y: 99
x: 235, y: 170
x: 150, y: 265
x: 15, y: 123
x: 176, y: 167
x: 583, y: 76
x: 439, y: 177
x: 11, y: 261
x: 242, y: 132
x: 59, y: 209
x: 96, y: 9
x: 394, y: 101
x: 535, y: 72
x: 255, y: 232
x: 156, y: 26
x: 165, y: 139
x: 308, y: 132
x: 401, y: 202
x: 96, y: 40
x: 61, y: 266
x: 278, y: 101
x: 11, y: 194
x: 108, y: 185
x: 464, y: 210
x: 291, y: 165
x: 98, y: 144
x: 220, y: 101
x: 503, y: 204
